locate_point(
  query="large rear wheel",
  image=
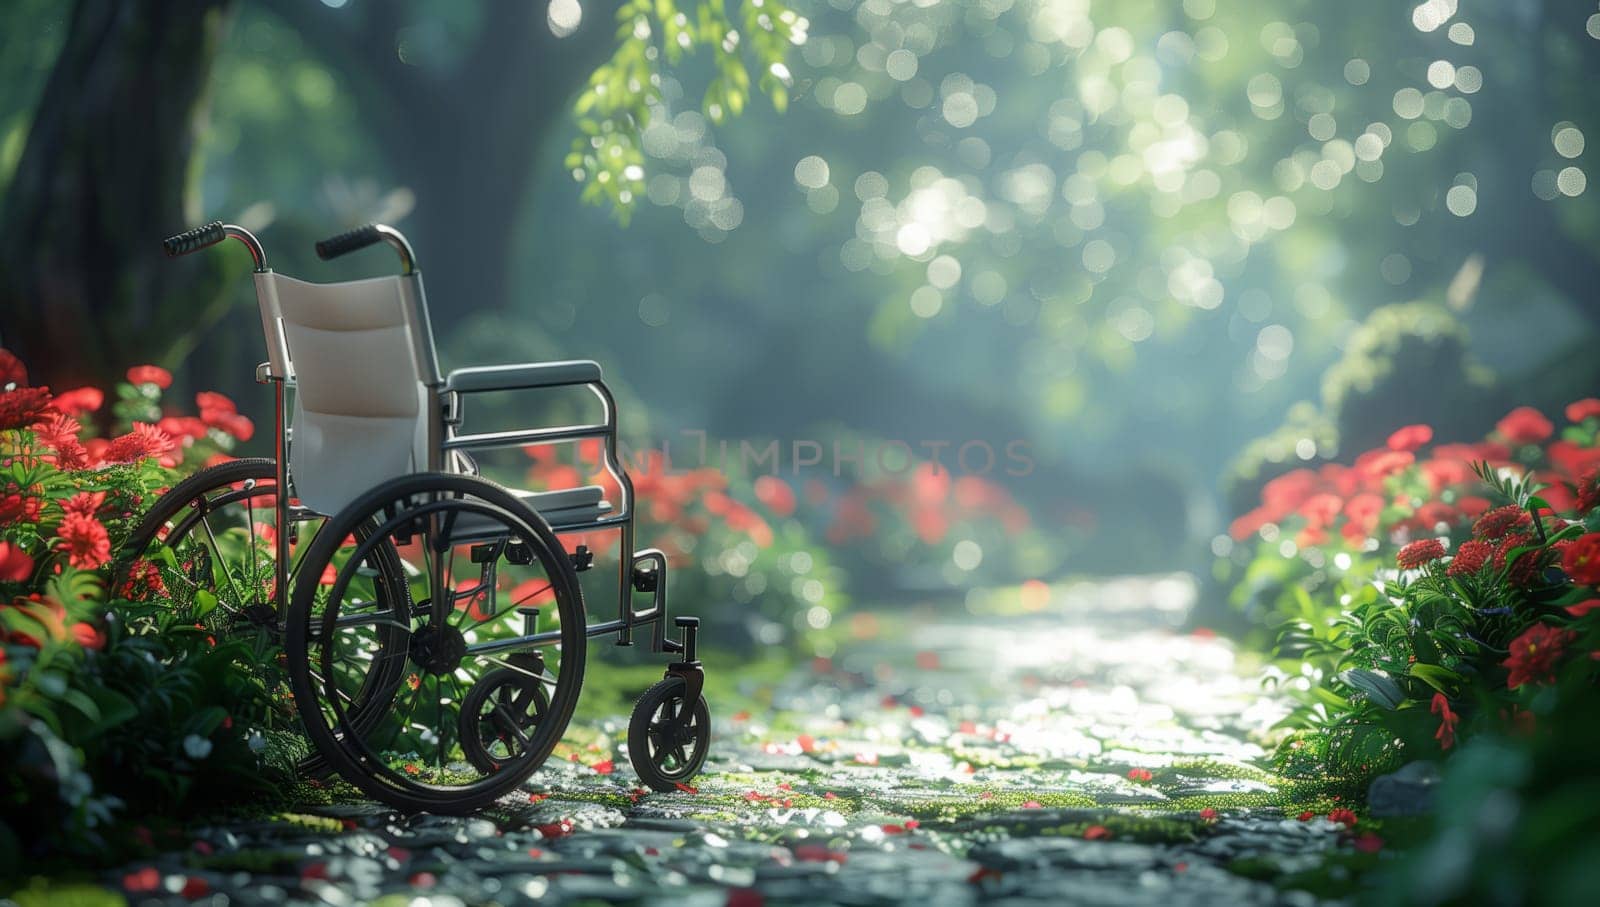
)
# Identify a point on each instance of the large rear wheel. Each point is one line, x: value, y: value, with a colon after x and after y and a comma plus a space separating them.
x: 485, y: 695
x: 204, y: 558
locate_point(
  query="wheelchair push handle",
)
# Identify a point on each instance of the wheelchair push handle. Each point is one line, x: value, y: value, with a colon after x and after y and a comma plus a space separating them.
x: 211, y: 234
x: 348, y: 242
x: 194, y: 240
x: 361, y: 237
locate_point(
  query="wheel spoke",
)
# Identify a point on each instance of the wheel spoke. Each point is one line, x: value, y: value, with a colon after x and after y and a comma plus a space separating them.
x: 227, y: 574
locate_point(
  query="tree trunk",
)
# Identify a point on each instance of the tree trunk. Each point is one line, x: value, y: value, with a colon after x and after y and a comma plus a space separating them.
x: 84, y: 288
x: 465, y: 140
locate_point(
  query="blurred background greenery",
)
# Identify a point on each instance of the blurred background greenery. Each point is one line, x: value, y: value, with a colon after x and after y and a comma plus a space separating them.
x: 1173, y: 247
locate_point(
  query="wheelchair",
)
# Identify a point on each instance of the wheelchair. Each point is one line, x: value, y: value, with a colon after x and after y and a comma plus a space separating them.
x: 432, y: 625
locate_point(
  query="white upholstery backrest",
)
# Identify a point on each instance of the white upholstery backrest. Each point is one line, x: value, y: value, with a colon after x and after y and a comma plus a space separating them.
x: 361, y: 398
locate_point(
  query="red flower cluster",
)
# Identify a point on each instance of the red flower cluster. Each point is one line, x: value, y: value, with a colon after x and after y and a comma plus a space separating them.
x: 1535, y: 653
x: 217, y: 411
x: 84, y: 540
x: 142, y: 442
x: 15, y: 564
x: 1581, y: 560
x: 1524, y: 425
x: 680, y: 503
x: 12, y: 372
x: 1410, y: 437
x: 1495, y: 524
x: 1579, y: 410
x: 1378, y: 494
x: 1446, y: 734
x: 150, y: 374
x: 1470, y: 558
x: 930, y: 499
x: 78, y: 401
x: 1419, y: 553
x: 22, y: 407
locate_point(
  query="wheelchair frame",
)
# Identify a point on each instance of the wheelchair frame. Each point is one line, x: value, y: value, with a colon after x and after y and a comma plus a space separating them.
x: 641, y: 571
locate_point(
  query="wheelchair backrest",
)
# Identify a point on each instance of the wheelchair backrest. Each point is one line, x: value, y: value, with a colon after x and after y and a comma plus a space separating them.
x: 364, y: 374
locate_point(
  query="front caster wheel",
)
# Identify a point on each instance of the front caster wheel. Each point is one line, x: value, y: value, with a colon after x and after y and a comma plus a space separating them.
x: 497, y: 716
x: 667, y: 740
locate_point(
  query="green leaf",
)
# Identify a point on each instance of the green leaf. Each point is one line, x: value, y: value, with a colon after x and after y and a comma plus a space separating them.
x: 1378, y: 688
x: 1440, y: 678
x: 115, y: 708
x: 204, y: 602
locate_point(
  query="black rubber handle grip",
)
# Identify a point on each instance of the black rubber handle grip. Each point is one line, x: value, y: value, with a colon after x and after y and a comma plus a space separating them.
x: 359, y: 238
x: 194, y: 240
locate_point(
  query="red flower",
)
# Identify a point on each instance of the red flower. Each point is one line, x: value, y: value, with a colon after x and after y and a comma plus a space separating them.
x: 150, y: 374
x: 12, y: 371
x: 85, y: 541
x: 1367, y: 843
x: 144, y: 441
x: 18, y: 506
x: 213, y: 403
x: 79, y: 400
x: 84, y: 503
x: 1208, y: 815
x: 604, y: 767
x: 1523, y: 566
x: 57, y: 429
x: 1410, y: 437
x: 1362, y: 511
x: 182, y: 427
x: 59, y: 432
x: 1307, y: 816
x: 776, y: 495
x: 88, y: 636
x: 1377, y: 465
x: 1582, y: 608
x: 1096, y: 833
x: 1470, y: 558
x: 1244, y: 526
x: 1344, y: 817
x: 1139, y: 774
x: 1524, y: 425
x: 15, y: 564
x: 1446, y: 734
x: 1321, y: 509
x: 1579, y: 410
x: 1582, y: 559
x: 1589, y: 491
x: 143, y: 582
x: 1499, y: 521
x: 1420, y: 552
x: 22, y: 407
x: 235, y: 424
x: 1534, y: 654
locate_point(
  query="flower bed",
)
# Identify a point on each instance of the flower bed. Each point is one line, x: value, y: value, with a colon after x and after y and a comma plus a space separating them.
x: 108, y: 710
x: 1429, y: 592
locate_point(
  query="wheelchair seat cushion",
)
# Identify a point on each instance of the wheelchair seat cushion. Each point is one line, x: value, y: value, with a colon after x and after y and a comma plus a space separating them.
x: 565, y: 508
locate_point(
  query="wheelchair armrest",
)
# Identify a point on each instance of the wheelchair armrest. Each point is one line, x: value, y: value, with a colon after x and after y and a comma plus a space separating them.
x: 525, y: 376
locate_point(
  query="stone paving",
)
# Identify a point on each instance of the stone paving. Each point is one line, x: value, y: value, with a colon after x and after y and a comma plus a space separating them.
x: 1084, y: 751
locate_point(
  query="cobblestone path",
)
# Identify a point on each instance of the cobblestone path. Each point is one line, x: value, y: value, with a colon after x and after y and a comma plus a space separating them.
x: 1078, y: 751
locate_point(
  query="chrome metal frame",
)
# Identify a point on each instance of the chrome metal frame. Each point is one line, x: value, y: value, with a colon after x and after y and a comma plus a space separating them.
x: 444, y: 410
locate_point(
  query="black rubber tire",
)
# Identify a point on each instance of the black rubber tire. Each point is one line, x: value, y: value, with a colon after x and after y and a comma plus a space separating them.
x: 167, y: 506
x: 418, y: 798
x: 652, y: 774
x: 471, y: 744
x: 203, y: 483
